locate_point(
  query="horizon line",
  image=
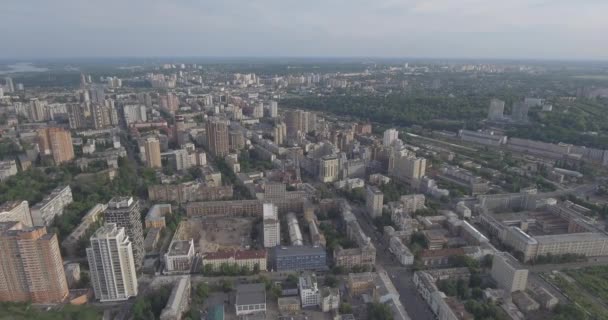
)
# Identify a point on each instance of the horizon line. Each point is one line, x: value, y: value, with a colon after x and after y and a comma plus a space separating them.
x: 295, y: 57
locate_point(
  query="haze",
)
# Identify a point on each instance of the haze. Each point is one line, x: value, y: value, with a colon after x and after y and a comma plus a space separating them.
x: 539, y: 29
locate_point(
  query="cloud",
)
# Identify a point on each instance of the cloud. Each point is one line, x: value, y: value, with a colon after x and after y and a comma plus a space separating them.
x: 425, y: 28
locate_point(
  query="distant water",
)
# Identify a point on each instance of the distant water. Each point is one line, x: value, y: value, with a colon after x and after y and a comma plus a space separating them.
x: 21, y: 67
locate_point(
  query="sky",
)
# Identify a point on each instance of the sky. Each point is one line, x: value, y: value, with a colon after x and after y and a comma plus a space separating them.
x: 514, y: 29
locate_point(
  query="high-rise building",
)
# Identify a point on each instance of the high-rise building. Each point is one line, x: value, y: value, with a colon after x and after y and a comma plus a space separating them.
x: 10, y: 87
x: 508, y: 274
x: 97, y: 94
x: 280, y: 132
x: 112, y: 264
x: 217, y: 137
x: 124, y: 212
x: 31, y: 268
x: 520, y: 112
x: 135, y: 113
x: 170, y: 102
x: 297, y: 121
x: 101, y: 115
x: 58, y: 142
x: 389, y: 136
x: 38, y: 110
x: 152, y: 150
x: 236, y: 140
x: 496, y: 109
x: 273, y: 109
x: 182, y: 159
x: 329, y: 168
x: 374, y: 201
x: 272, y: 227
x: 406, y: 166
x: 76, y: 116
x: 258, y: 111
x: 61, y: 145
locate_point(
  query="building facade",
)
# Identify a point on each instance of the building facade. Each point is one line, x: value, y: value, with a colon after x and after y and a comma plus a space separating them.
x: 16, y: 211
x: 272, y: 226
x: 44, y: 212
x: 374, y: 201
x: 125, y: 213
x: 31, y: 268
x: 309, y: 290
x: 112, y: 264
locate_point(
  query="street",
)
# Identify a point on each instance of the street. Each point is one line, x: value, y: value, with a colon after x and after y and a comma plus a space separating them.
x: 402, y: 277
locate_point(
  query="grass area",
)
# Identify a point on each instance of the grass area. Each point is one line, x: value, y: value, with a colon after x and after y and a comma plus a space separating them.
x: 580, y: 300
x: 594, y: 279
x: 23, y: 311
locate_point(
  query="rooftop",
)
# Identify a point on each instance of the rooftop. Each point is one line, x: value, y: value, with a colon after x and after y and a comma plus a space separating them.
x: 441, y: 252
x: 10, y: 205
x: 298, y: 250
x: 236, y: 254
x: 180, y: 247
x: 251, y: 293
x: 571, y: 237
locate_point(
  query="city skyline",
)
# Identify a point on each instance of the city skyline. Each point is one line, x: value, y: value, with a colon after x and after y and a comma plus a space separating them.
x: 434, y: 29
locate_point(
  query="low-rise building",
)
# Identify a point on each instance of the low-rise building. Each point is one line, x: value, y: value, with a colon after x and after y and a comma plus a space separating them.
x: 72, y: 273
x: 45, y: 211
x: 179, y: 257
x: 329, y: 299
x: 354, y: 257
x: 247, y: 258
x: 179, y: 300
x: 401, y: 251
x: 545, y: 299
x: 358, y: 283
x: 299, y: 258
x: 439, y: 258
x: 524, y: 302
x: 289, y: 305
x: 16, y: 211
x: 155, y: 218
x: 250, y: 299
x: 70, y: 244
x: 309, y: 290
x: 7, y: 169
x: 151, y: 239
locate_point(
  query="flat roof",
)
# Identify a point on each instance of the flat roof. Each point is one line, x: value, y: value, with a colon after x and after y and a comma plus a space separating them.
x: 250, y: 293
x: 298, y: 250
x: 571, y: 237
x: 179, y: 247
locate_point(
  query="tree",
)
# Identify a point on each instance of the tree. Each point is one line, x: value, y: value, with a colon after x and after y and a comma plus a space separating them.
x: 345, y: 308
x: 331, y: 281
x: 201, y: 292
x: 291, y: 280
x: 379, y: 311
x: 226, y: 285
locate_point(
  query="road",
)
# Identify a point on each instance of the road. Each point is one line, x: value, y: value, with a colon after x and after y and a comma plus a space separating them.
x: 402, y: 277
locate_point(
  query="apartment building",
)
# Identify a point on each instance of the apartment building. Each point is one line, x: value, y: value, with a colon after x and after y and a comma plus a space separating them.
x: 272, y: 226
x: 246, y: 258
x: 31, y: 268
x: 16, y: 211
x: 125, y: 213
x: 112, y: 264
x: 45, y: 211
x: 508, y: 274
